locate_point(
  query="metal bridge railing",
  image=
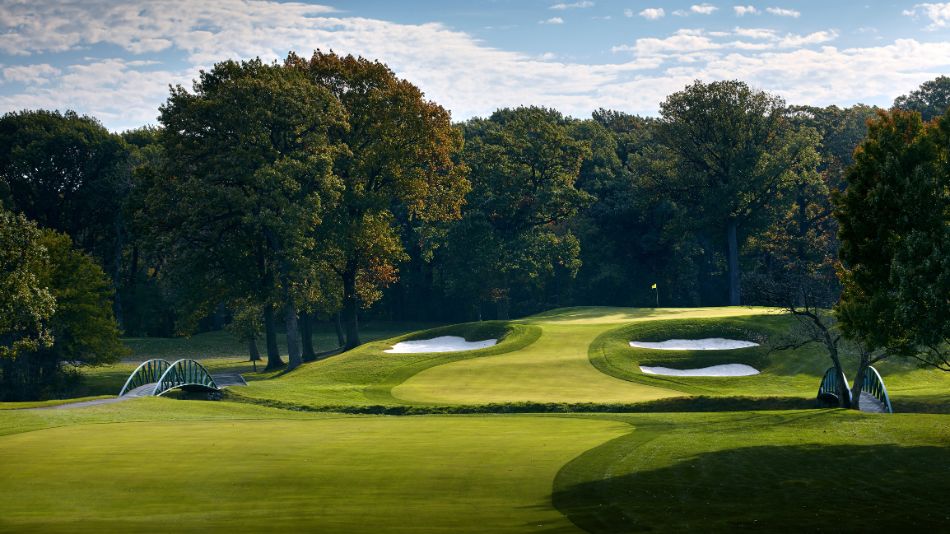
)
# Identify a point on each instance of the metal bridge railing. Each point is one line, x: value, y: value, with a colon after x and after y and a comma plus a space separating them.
x: 874, y: 385
x: 147, y: 373
x: 829, y: 388
x: 184, y: 373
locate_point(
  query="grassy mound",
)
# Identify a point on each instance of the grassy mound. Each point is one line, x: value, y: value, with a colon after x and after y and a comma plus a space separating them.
x: 784, y: 373
x: 366, y: 375
x: 555, y: 370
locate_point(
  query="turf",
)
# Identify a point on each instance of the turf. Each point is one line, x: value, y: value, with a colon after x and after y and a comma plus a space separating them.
x: 812, y: 471
x: 261, y: 472
x: 784, y: 373
x: 554, y: 369
x: 366, y: 375
x: 699, y: 454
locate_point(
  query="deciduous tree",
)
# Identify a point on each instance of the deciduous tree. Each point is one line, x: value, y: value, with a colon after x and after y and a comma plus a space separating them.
x: 399, y: 157
x: 732, y: 152
x: 895, y: 241
x: 249, y: 177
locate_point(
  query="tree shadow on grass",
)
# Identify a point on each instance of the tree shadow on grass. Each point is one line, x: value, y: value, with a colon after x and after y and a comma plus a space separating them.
x: 771, y: 488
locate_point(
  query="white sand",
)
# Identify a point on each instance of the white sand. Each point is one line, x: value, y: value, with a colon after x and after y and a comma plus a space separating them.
x: 439, y: 344
x: 729, y: 369
x: 710, y: 343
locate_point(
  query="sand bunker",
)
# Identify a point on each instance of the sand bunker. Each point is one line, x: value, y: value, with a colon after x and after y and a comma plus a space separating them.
x: 729, y: 369
x: 439, y: 344
x: 709, y: 343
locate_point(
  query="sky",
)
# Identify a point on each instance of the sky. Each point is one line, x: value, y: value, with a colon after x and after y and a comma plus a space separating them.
x: 115, y: 60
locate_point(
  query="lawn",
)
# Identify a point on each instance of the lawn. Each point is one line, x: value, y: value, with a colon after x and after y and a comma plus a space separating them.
x: 239, y: 467
x: 261, y: 470
x: 808, y: 471
x: 636, y: 452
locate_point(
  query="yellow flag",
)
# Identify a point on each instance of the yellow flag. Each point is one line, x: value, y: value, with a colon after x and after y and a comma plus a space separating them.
x: 653, y: 286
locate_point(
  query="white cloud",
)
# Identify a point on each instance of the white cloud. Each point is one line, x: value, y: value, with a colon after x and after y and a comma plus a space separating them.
x: 575, y: 5
x: 454, y: 69
x: 939, y: 14
x: 39, y: 74
x: 797, y: 41
x: 653, y: 13
x: 681, y: 13
x: 703, y: 9
x: 742, y: 11
x: 782, y: 12
x: 755, y: 33
x: 552, y: 20
x: 688, y: 42
x: 628, y: 13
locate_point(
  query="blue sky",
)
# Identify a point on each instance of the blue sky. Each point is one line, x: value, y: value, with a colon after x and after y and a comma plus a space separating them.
x: 114, y: 60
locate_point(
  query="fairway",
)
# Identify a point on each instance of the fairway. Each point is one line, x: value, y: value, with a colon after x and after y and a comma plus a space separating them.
x: 345, y: 474
x: 555, y: 368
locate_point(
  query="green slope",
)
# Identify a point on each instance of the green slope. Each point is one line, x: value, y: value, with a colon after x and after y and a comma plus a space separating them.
x: 262, y: 471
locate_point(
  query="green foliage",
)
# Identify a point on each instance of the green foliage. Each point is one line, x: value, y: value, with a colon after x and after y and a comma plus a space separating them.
x: 397, y: 164
x: 524, y: 163
x: 931, y: 100
x: 895, y: 239
x: 67, y: 173
x: 237, y: 207
x: 26, y: 304
x: 729, y: 155
x: 56, y: 307
x: 84, y: 328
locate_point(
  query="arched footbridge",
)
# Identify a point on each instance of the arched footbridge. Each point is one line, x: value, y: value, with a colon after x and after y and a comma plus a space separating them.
x: 157, y: 377
x: 874, y: 397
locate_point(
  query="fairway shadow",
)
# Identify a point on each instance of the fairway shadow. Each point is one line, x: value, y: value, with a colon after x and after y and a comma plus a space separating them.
x: 845, y: 488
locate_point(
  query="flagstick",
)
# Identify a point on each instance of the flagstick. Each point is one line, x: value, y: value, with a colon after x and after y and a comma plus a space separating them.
x: 657, y: 292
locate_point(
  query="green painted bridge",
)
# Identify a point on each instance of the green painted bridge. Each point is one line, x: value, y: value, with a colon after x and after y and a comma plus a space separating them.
x: 156, y: 377
x: 874, y: 397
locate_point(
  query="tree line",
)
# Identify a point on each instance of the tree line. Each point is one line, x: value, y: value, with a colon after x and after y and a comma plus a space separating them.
x: 274, y: 195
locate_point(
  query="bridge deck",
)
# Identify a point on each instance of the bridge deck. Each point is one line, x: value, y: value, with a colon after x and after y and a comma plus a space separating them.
x: 870, y: 404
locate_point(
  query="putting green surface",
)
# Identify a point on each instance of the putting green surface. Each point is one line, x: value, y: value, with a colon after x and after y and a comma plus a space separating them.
x: 556, y: 368
x: 318, y: 473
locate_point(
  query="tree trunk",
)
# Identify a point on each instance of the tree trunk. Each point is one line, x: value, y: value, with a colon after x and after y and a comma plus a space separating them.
x: 502, y: 306
x: 270, y: 334
x: 255, y: 355
x: 859, y: 380
x: 338, y: 324
x: 294, y: 352
x: 117, y: 274
x: 843, y: 393
x: 350, y: 308
x: 306, y: 337
x: 733, y: 246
